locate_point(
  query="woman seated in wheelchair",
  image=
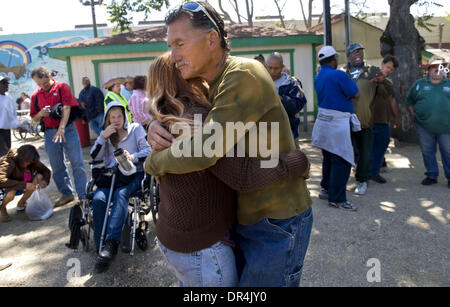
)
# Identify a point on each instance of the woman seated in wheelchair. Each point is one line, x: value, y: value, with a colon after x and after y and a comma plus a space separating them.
x: 21, y: 172
x: 131, y: 138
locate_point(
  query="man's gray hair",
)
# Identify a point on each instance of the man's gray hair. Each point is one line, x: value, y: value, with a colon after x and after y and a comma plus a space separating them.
x: 40, y: 72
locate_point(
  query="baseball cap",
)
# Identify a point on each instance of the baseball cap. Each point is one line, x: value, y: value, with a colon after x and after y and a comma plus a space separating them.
x: 353, y: 47
x: 326, y: 52
x: 2, y: 78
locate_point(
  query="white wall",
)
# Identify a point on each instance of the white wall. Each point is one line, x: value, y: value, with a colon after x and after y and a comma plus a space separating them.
x: 83, y: 66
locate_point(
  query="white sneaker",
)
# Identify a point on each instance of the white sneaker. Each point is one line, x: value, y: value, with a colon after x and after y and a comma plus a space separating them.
x: 361, y: 188
x: 323, y: 194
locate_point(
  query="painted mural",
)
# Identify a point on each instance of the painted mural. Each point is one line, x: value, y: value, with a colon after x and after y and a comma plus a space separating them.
x: 21, y: 53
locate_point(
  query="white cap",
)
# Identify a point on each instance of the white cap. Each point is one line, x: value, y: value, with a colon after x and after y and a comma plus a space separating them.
x: 326, y: 52
x: 4, y: 78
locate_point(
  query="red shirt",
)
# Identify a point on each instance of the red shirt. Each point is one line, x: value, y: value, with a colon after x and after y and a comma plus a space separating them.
x: 51, y: 98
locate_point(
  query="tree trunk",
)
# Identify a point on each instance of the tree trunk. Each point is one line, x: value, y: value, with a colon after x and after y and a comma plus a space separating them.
x: 249, y: 6
x: 280, y: 13
x: 402, y: 40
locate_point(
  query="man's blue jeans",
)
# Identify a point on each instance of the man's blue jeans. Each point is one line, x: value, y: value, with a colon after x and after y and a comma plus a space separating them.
x: 428, y: 144
x: 214, y: 266
x: 96, y: 123
x: 119, y: 209
x: 273, y: 251
x: 72, y: 148
x: 381, y: 134
x: 335, y: 174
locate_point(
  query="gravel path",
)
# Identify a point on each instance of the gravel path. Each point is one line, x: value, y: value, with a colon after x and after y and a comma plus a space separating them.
x: 403, y: 225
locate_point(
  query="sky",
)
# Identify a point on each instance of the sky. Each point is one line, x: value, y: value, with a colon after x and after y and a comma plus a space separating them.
x: 28, y: 16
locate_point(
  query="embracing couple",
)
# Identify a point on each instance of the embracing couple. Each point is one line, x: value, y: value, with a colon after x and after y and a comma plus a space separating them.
x: 223, y: 221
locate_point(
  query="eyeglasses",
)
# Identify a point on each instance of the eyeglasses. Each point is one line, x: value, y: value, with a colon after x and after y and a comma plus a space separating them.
x: 197, y: 7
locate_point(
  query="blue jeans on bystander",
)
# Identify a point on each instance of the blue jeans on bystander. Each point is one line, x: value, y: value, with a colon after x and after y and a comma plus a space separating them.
x: 381, y: 134
x: 72, y: 148
x: 428, y: 144
x: 96, y: 123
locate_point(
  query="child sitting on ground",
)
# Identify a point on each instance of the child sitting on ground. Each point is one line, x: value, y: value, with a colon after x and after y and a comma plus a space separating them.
x: 21, y: 172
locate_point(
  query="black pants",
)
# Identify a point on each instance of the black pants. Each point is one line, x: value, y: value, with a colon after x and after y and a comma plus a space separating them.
x: 5, y: 141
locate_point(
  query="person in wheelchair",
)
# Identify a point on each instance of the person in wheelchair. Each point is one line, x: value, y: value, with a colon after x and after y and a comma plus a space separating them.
x: 20, y: 172
x: 117, y: 133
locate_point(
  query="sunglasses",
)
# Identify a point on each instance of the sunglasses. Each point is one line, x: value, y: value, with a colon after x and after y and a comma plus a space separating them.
x: 197, y: 7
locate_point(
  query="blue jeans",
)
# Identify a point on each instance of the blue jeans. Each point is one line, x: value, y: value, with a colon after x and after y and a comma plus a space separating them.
x: 119, y: 209
x: 335, y: 174
x: 96, y: 123
x: 214, y: 266
x: 428, y: 144
x: 55, y: 153
x: 381, y: 134
x: 273, y: 251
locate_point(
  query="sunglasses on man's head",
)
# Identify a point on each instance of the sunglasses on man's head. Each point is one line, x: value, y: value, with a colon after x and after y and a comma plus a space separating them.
x: 197, y: 7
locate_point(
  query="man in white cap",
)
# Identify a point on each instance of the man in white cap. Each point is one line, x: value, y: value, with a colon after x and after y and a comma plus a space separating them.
x: 335, y: 90
x: 8, y: 116
x: 428, y: 102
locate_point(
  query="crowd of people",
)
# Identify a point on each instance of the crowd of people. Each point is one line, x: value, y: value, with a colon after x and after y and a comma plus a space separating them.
x: 222, y: 219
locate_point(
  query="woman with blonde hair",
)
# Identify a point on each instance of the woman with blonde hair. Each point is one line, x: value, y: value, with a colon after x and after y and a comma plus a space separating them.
x: 198, y: 209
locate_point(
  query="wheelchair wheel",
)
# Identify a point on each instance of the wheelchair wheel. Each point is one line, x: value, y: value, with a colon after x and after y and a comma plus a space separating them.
x: 141, y: 239
x: 19, y: 135
x: 126, y: 234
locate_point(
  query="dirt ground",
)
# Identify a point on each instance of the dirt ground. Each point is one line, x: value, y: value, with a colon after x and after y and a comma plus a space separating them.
x: 398, y: 237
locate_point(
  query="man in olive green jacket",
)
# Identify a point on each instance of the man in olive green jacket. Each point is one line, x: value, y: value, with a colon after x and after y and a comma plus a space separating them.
x: 367, y: 78
x: 274, y: 224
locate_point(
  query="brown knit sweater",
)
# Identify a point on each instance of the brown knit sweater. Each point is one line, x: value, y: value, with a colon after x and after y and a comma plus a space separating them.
x: 198, y: 209
x: 12, y: 176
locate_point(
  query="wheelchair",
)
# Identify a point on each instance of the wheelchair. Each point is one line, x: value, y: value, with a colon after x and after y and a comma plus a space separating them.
x: 146, y: 200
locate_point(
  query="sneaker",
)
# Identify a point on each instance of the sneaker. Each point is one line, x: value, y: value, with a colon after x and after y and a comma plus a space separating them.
x: 361, y: 188
x: 64, y: 200
x: 429, y: 181
x: 378, y: 178
x: 323, y: 194
x: 347, y: 206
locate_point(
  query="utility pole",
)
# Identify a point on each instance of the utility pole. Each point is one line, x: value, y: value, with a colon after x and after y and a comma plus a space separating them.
x: 327, y: 23
x: 92, y: 4
x: 441, y: 28
x: 348, y: 25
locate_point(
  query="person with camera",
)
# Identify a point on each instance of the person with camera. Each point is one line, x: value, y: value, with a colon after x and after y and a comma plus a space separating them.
x: 130, y: 139
x: 60, y: 134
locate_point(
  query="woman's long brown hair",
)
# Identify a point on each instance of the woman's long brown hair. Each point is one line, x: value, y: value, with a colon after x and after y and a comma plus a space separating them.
x: 171, y: 98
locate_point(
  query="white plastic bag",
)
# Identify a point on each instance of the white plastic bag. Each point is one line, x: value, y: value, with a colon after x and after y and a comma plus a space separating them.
x: 39, y: 207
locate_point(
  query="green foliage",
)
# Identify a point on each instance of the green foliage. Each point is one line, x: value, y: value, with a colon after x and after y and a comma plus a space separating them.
x: 423, y: 20
x: 120, y: 11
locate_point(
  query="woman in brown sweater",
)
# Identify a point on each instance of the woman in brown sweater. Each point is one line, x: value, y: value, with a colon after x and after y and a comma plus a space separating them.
x: 21, y: 172
x: 197, y: 209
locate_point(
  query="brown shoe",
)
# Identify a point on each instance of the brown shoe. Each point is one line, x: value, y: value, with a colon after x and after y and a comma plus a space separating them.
x: 64, y: 200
